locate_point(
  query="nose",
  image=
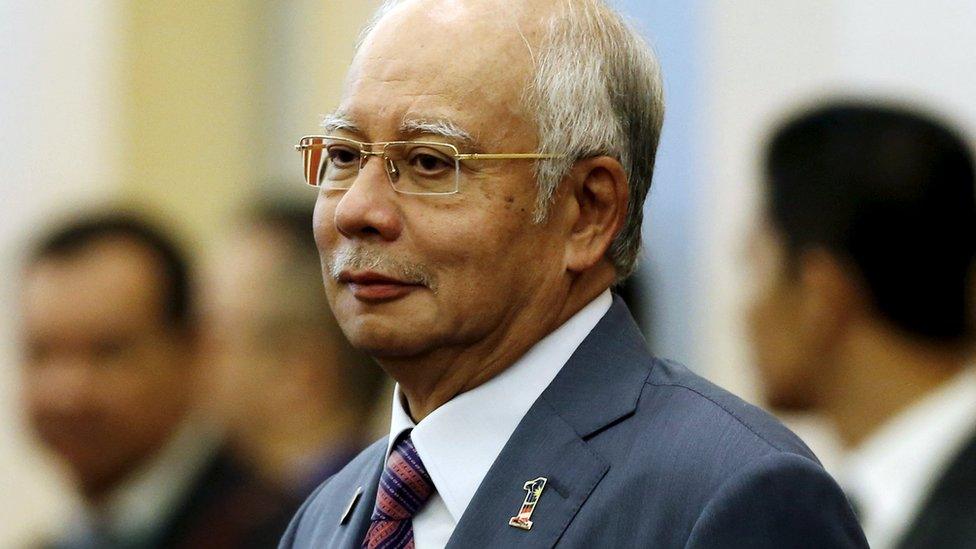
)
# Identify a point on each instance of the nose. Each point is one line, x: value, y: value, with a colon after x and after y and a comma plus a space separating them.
x: 370, y: 209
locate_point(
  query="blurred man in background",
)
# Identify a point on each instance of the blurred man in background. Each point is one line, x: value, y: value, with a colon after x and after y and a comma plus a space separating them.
x: 292, y: 389
x: 865, y: 310
x: 110, y: 387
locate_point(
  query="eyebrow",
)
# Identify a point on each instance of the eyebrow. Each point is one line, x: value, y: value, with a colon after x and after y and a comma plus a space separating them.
x: 440, y: 127
x: 338, y: 121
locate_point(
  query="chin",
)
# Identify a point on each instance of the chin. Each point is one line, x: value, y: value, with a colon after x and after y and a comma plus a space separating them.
x: 381, y: 340
x: 75, y: 444
x: 392, y: 330
x: 787, y: 402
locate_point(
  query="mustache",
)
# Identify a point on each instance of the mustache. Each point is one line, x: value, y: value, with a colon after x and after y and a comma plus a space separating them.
x: 366, y: 259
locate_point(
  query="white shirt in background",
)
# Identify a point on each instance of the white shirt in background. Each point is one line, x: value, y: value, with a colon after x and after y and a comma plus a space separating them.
x: 890, y: 475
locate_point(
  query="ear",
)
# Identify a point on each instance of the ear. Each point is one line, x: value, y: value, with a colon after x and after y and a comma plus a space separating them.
x: 598, y: 199
x: 830, y: 295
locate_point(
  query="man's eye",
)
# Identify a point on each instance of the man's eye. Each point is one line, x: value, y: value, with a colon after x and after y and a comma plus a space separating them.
x: 429, y: 163
x: 342, y: 157
x: 37, y: 352
x: 109, y: 349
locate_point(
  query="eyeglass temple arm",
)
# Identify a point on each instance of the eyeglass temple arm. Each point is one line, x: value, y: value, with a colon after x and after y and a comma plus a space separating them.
x: 506, y: 156
x: 463, y: 156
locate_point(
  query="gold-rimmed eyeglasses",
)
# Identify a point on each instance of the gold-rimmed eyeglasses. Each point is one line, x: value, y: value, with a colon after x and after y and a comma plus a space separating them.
x: 413, y: 167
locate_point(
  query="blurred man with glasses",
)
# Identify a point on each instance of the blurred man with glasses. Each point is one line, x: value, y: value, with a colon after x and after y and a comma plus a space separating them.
x: 480, y: 190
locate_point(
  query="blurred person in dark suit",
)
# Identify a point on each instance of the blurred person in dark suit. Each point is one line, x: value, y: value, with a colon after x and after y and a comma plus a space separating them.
x: 294, y: 392
x: 864, y: 312
x: 110, y: 377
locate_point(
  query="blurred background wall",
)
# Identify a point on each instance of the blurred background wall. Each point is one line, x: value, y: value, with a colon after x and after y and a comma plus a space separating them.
x: 60, y: 146
x: 180, y: 109
x: 185, y: 109
x: 766, y: 58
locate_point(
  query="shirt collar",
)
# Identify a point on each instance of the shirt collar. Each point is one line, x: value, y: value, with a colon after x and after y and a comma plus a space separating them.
x: 890, y: 473
x: 459, y: 441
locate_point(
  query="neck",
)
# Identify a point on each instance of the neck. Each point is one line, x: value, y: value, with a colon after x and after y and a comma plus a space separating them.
x: 881, y: 374
x: 431, y: 380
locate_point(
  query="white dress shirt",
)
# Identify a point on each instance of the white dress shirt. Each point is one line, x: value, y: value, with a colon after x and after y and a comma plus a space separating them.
x: 459, y: 441
x: 890, y: 474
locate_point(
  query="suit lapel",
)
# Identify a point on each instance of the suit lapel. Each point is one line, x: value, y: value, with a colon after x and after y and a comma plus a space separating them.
x: 599, y: 385
x: 543, y: 446
x: 352, y: 530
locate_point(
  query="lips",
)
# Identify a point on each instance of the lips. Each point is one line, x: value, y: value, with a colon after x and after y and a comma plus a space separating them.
x: 371, y: 286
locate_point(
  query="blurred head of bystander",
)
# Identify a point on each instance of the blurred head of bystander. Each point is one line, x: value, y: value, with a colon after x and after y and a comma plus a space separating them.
x: 111, y: 386
x: 109, y: 341
x: 864, y: 312
x: 292, y: 389
x: 864, y: 260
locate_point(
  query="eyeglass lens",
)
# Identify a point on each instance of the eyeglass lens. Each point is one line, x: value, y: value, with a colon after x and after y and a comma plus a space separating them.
x: 412, y: 167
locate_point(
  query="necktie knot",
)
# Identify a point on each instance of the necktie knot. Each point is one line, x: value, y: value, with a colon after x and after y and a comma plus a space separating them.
x: 404, y: 487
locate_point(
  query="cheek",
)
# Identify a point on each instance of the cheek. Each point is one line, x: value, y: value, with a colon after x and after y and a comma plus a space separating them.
x: 53, y: 392
x: 123, y: 393
x: 490, y: 247
x: 784, y: 367
x: 772, y: 334
x: 162, y: 375
x: 37, y: 392
x: 323, y: 222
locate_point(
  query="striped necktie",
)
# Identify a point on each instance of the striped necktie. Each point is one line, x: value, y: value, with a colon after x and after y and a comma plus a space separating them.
x: 404, y: 488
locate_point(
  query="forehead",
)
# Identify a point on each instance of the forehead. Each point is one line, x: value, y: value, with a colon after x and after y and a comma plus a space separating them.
x: 110, y: 283
x: 421, y: 62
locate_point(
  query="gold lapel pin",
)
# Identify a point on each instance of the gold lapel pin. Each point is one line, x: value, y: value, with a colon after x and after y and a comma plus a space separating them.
x: 534, y: 488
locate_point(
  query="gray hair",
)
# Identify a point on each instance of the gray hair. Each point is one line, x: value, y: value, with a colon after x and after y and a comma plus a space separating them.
x: 596, y: 91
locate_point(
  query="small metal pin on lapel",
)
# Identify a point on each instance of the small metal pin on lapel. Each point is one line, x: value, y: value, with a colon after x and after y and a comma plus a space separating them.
x: 352, y: 505
x: 534, y: 488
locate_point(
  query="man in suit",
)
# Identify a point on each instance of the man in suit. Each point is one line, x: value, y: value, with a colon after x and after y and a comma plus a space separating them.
x: 474, y: 263
x: 865, y: 309
x: 290, y: 387
x: 110, y: 373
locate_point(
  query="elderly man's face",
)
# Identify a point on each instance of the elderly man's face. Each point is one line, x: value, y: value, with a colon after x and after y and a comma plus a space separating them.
x: 476, y: 258
x: 106, y: 377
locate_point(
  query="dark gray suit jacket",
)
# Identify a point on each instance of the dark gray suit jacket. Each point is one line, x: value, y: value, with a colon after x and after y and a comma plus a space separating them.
x: 638, y: 452
x: 947, y: 519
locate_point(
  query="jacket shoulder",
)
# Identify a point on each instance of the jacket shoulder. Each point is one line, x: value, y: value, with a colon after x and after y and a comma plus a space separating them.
x: 688, y: 436
x: 780, y: 499
x: 696, y: 399
x: 711, y: 470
